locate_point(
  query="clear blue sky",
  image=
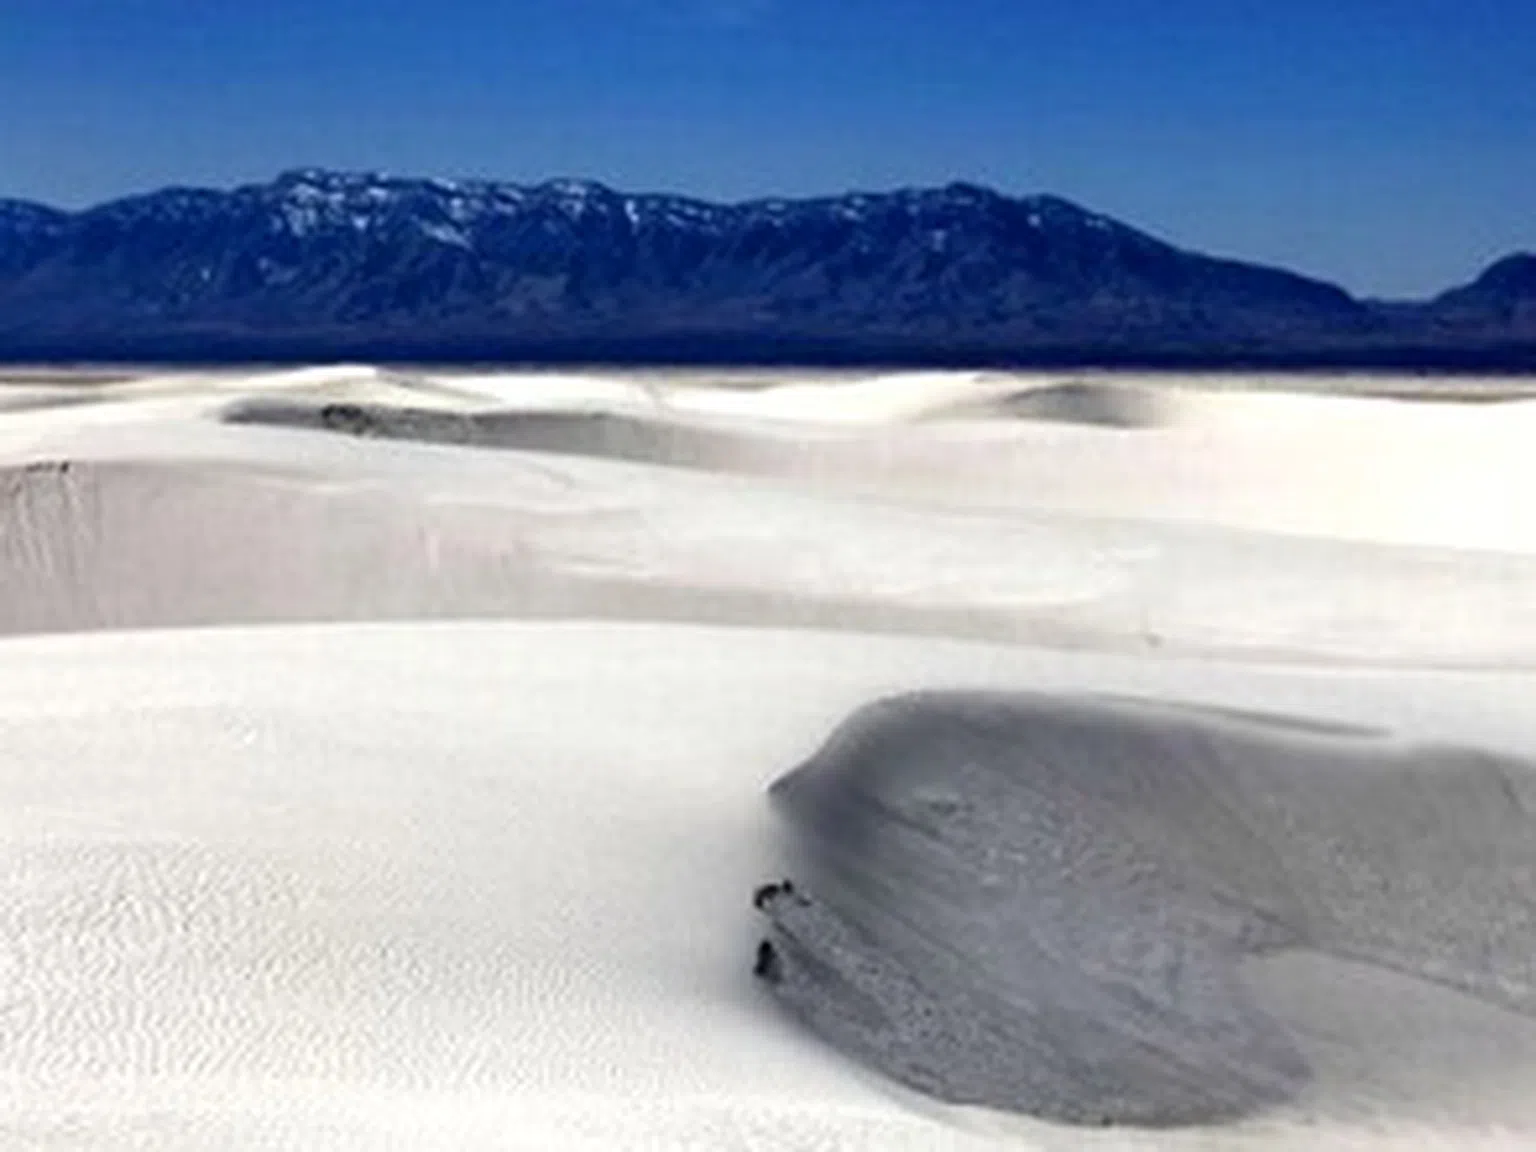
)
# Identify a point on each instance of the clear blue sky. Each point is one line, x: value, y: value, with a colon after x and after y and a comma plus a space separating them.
x: 1386, y: 144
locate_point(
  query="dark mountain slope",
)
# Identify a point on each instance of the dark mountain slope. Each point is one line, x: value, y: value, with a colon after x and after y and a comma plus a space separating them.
x: 321, y: 262
x: 1503, y: 298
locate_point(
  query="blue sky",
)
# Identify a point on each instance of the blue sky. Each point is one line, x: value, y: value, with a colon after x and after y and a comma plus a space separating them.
x: 1386, y: 144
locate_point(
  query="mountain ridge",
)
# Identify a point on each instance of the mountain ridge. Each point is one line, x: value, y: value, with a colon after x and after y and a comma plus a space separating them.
x: 317, y: 261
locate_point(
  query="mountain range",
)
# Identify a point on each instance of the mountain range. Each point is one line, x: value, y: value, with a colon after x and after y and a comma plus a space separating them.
x: 319, y: 264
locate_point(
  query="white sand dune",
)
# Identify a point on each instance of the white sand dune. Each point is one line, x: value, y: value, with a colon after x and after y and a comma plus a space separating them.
x: 486, y: 886
x: 1047, y: 902
x: 484, y: 883
x: 165, y: 516
x: 407, y: 534
x: 1350, y: 467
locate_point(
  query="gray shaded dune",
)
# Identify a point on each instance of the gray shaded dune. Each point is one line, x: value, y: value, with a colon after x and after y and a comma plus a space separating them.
x: 1073, y: 402
x: 671, y: 441
x: 1044, y: 905
x: 597, y: 433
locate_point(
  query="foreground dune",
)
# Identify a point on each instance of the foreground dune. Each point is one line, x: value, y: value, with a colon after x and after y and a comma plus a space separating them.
x: 454, y: 881
x: 488, y: 886
x: 1045, y: 903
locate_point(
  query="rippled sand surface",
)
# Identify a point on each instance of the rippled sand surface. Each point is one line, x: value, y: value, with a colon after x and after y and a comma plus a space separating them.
x: 384, y: 755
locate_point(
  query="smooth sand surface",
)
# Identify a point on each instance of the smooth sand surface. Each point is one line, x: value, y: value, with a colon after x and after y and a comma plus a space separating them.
x: 150, y: 508
x: 464, y: 879
x: 1340, y: 466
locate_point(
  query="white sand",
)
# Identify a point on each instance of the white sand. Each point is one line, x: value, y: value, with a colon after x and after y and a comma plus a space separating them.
x: 483, y: 886
x: 1168, y: 538
x: 476, y: 884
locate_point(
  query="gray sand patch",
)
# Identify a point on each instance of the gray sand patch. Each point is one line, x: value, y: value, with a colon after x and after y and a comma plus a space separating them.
x: 1045, y: 905
x: 601, y: 434
x: 1107, y: 405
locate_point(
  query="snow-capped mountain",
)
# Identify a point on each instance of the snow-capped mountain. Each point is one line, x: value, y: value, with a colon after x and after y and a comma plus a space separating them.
x: 370, y: 261
x: 26, y: 233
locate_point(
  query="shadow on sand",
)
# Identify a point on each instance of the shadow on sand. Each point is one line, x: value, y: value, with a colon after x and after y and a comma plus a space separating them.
x: 1045, y: 904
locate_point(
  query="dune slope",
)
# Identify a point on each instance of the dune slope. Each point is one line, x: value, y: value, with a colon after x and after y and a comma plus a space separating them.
x: 488, y: 886
x: 1044, y: 903
x: 146, y: 508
